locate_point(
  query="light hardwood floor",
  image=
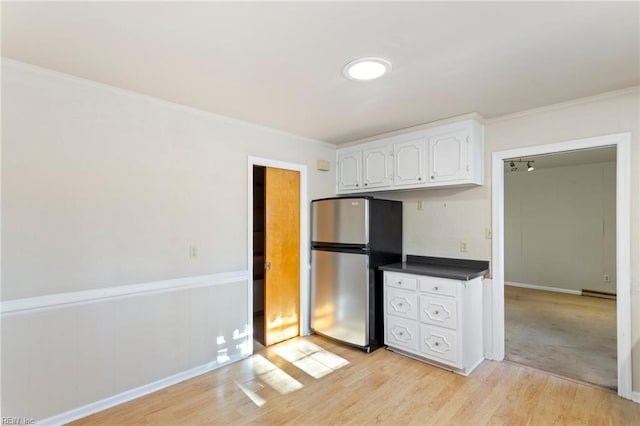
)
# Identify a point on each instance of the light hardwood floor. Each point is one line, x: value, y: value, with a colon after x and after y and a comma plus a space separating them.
x: 569, y: 335
x: 333, y: 384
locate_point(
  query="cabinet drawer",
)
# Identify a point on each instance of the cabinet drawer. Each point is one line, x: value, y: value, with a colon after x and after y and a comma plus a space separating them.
x: 440, y: 344
x: 441, y: 286
x: 393, y: 279
x: 401, y: 333
x: 401, y: 303
x: 439, y: 311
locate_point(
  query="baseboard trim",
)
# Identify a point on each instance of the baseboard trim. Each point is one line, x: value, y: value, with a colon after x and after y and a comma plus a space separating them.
x: 635, y: 397
x: 63, y: 300
x: 543, y: 288
x: 129, y: 395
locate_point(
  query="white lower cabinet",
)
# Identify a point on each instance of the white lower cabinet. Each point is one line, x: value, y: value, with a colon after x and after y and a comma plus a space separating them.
x: 436, y: 320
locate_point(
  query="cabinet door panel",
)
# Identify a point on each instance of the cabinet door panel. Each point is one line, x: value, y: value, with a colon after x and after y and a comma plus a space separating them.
x: 449, y: 157
x: 349, y: 171
x: 401, y: 333
x: 439, y: 311
x: 376, y: 167
x: 401, y: 303
x: 439, y: 344
x: 409, y: 162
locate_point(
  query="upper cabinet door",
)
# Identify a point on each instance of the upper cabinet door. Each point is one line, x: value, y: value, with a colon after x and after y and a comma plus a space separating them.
x: 449, y: 157
x: 377, y: 164
x: 409, y: 162
x: 349, y: 173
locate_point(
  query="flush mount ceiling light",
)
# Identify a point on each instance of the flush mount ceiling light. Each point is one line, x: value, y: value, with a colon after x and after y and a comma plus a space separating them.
x: 364, y: 69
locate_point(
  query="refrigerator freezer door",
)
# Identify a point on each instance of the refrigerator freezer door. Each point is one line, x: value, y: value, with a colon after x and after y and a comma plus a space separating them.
x: 340, y: 296
x: 340, y: 220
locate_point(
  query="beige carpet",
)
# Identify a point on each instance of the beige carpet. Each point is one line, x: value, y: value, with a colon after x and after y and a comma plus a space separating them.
x: 572, y: 336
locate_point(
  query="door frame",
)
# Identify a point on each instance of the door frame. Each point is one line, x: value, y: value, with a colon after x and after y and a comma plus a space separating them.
x: 304, y: 239
x: 622, y: 142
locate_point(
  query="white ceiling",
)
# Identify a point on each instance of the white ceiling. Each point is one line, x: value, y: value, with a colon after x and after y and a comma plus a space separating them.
x: 280, y: 64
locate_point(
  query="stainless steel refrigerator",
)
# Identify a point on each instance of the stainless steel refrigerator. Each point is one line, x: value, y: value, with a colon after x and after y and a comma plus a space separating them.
x: 350, y: 238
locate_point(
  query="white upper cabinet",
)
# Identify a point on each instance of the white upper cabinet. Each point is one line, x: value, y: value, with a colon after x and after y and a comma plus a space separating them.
x: 349, y: 171
x: 449, y: 158
x: 376, y: 167
x: 447, y: 155
x: 410, y: 162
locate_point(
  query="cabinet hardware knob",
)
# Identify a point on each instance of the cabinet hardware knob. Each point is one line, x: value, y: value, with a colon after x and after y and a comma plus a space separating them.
x: 357, y: 184
x: 401, y: 333
x: 435, y: 288
x: 420, y: 178
x: 400, y: 304
x: 437, y: 344
x: 437, y: 312
x: 399, y: 282
x: 432, y: 177
x: 366, y: 184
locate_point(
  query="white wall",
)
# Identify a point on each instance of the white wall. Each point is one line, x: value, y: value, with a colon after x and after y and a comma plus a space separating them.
x: 103, y: 188
x: 560, y: 227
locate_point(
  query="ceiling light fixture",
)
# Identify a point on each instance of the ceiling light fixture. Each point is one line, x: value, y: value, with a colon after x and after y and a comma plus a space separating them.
x: 364, y: 69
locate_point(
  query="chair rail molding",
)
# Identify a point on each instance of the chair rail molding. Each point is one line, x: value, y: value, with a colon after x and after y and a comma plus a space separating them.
x: 63, y: 300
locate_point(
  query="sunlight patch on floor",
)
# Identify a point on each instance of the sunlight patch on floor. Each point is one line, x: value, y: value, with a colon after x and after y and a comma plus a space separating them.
x: 310, y: 358
x: 267, y: 372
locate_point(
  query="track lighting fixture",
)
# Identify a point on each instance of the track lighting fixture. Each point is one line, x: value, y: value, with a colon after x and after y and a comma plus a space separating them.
x: 514, y: 166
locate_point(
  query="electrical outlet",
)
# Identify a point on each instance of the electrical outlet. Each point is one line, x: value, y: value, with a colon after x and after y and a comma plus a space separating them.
x: 487, y: 233
x: 193, y: 251
x: 420, y: 205
x: 464, y: 246
x: 606, y: 278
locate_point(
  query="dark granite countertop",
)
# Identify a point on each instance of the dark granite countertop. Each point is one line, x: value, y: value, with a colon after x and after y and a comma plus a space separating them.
x: 456, y: 269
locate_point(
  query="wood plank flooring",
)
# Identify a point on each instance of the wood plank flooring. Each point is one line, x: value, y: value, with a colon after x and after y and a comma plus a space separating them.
x: 312, y: 381
x: 569, y: 335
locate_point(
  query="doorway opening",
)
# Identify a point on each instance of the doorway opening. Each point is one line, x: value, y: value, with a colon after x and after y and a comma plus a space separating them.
x: 258, y: 255
x: 559, y: 264
x: 278, y: 285
x: 496, y: 292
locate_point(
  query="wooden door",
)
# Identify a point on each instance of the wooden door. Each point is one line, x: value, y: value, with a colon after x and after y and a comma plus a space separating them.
x: 282, y: 255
